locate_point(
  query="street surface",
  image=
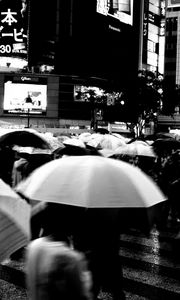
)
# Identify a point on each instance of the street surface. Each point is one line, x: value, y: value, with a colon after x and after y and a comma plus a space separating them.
x: 151, y: 267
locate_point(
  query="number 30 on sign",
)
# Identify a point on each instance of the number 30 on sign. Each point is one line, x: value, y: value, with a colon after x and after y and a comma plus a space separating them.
x: 5, y: 49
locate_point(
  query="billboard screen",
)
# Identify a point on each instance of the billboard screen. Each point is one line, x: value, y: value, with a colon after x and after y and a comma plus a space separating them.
x: 173, y: 3
x: 119, y: 9
x: 25, y: 97
x: 13, y: 28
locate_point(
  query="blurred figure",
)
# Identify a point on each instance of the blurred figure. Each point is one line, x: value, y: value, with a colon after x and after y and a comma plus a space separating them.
x: 170, y: 184
x: 19, y: 170
x: 148, y: 165
x: 23, y: 165
x: 6, y: 163
x: 94, y: 232
x: 26, y: 163
x: 99, y: 239
x: 53, y: 269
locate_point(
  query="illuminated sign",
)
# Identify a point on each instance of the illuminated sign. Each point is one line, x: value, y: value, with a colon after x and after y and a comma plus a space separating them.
x: 119, y: 9
x: 173, y: 3
x: 13, y: 28
x: 16, y: 95
x: 91, y: 93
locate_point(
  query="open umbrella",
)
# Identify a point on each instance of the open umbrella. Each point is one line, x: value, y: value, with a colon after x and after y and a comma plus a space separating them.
x: 93, y: 182
x: 32, y: 150
x: 161, y: 145
x: 105, y: 141
x: 52, y: 141
x: 14, y: 221
x: 160, y: 135
x: 74, y: 142
x: 138, y: 142
x: 23, y: 138
x: 74, y: 150
x: 136, y: 149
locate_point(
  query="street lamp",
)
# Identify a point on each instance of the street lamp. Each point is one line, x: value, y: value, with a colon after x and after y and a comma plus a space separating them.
x: 28, y: 104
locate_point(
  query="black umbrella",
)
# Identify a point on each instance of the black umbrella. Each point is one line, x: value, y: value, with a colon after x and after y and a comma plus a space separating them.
x: 168, y: 144
x: 75, y: 150
x: 23, y: 138
x: 160, y: 135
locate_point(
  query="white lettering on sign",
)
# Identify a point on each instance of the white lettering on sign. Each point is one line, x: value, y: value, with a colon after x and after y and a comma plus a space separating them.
x: 25, y: 78
x: 9, y: 17
x: 114, y: 28
x: 5, y: 49
x: 18, y: 36
x: 19, y: 46
x: 13, y: 30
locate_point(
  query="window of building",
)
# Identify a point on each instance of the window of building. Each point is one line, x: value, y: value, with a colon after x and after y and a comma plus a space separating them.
x: 152, y: 59
x: 151, y: 46
x: 171, y: 24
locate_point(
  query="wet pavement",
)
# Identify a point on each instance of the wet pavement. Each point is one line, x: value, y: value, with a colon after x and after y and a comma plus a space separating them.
x: 151, y: 266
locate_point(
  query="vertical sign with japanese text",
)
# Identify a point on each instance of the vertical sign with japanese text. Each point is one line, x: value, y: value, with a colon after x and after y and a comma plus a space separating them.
x: 145, y: 31
x: 13, y: 28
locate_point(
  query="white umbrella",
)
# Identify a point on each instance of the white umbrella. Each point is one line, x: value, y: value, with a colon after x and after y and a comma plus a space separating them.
x: 136, y: 149
x: 74, y: 142
x: 85, y: 136
x: 139, y: 142
x: 92, y: 182
x: 106, y: 152
x: 14, y: 221
x: 32, y: 150
x: 106, y: 141
x: 120, y: 136
x: 54, y: 142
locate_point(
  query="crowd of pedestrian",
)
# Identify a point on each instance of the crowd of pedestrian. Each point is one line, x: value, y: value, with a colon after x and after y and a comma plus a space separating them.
x: 164, y: 169
x: 62, y: 260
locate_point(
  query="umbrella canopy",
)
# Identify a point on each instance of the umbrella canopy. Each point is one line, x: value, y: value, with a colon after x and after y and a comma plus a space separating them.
x: 14, y: 221
x: 52, y: 141
x: 106, y: 152
x: 74, y: 142
x: 160, y: 135
x: 23, y: 138
x: 94, y: 182
x: 74, y: 150
x: 138, y: 142
x: 32, y: 150
x: 136, y: 149
x: 85, y: 136
x: 166, y: 145
x: 105, y: 141
x: 91, y: 181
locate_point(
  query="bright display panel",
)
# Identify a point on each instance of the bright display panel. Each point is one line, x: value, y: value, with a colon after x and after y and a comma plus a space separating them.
x: 24, y: 97
x: 119, y: 9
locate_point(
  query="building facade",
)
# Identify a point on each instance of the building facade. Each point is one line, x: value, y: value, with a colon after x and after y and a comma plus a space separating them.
x: 172, y: 51
x: 171, y: 66
x: 152, y: 40
x: 93, y: 45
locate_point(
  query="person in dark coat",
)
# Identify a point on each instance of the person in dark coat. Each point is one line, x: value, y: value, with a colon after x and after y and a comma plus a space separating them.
x: 99, y: 239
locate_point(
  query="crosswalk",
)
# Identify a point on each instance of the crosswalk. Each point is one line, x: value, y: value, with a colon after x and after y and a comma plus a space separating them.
x: 151, y: 265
